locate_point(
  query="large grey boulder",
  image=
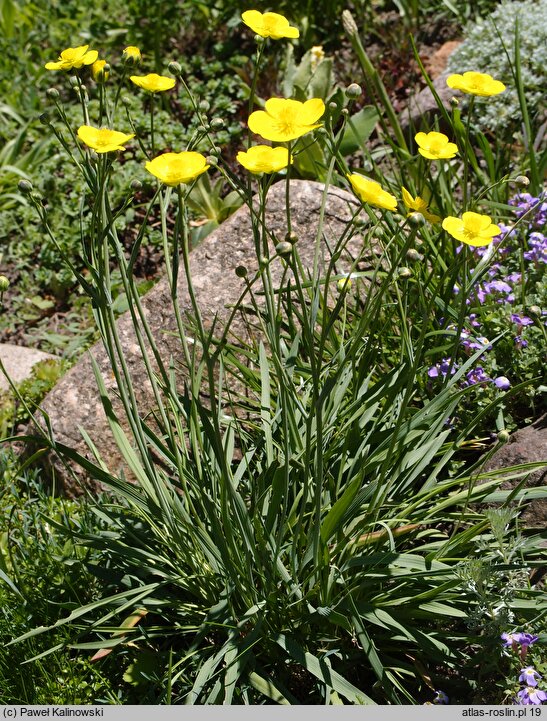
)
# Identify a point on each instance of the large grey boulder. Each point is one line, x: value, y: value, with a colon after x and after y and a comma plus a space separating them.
x: 74, y: 403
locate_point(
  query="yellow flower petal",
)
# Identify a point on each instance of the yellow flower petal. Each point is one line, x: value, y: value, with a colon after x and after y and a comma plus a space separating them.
x: 74, y: 58
x: 435, y: 146
x: 153, y: 82
x: 176, y: 168
x: 131, y: 55
x: 371, y: 192
x: 103, y: 140
x: 472, y: 228
x: 284, y: 119
x: 269, y: 25
x: 474, y: 83
x: 264, y: 159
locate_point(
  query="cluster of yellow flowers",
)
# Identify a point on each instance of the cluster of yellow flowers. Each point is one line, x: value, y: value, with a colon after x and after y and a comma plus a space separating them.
x: 282, y: 121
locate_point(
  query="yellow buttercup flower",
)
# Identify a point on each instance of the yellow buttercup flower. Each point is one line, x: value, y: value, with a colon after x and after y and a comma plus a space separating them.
x: 269, y: 25
x: 372, y: 192
x: 472, y: 228
x: 475, y: 84
x: 418, y: 205
x: 131, y: 55
x: 74, y: 58
x: 435, y: 146
x: 284, y: 120
x: 100, y: 75
x: 153, y: 83
x: 103, y: 140
x: 264, y: 159
x: 176, y: 168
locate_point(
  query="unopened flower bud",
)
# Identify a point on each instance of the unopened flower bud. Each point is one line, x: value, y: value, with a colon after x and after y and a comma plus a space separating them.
x: 283, y: 248
x: 534, y: 310
x: 344, y: 112
x: 354, y: 91
x: 344, y: 284
x: 204, y: 105
x: 413, y: 254
x: 25, y: 186
x: 126, y: 100
x: 416, y: 219
x: 52, y: 93
x: 259, y: 39
x: 454, y: 102
x: 503, y: 436
x: 217, y: 124
x: 100, y: 70
x: 404, y: 272
x: 135, y: 185
x: 45, y: 119
x: 291, y: 237
x: 332, y: 105
x: 350, y: 26
x: 131, y: 55
x: 175, y: 68
x: 522, y: 180
x: 73, y: 80
x: 241, y: 271
x: 4, y: 283
x: 263, y: 261
x: 211, y: 160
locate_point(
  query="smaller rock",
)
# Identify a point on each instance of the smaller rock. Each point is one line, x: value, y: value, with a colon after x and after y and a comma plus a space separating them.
x: 528, y: 445
x: 18, y: 362
x: 423, y: 107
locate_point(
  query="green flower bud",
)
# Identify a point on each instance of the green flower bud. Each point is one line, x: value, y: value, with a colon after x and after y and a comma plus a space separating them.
x: 354, y: 91
x: 175, y: 68
x: 283, y: 248
x: 45, y: 119
x: 241, y: 271
x: 217, y: 123
x: 52, y: 93
x: 503, y: 436
x: 404, y: 273
x: 212, y: 161
x: 25, y: 186
x: 416, y: 219
x: 350, y: 26
x: 135, y: 185
x: 291, y: 237
x: 4, y: 283
x: 522, y: 180
x: 412, y: 254
x: 534, y: 310
x: 204, y: 106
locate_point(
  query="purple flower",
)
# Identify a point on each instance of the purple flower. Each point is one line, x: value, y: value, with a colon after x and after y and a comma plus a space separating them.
x: 527, y: 639
x: 474, y: 376
x: 473, y: 320
x: 529, y: 676
x: 441, y: 369
x: 511, y: 639
x: 521, y: 319
x: 499, y: 286
x: 531, y: 696
x: 440, y: 698
x: 520, y: 342
x: 504, y: 384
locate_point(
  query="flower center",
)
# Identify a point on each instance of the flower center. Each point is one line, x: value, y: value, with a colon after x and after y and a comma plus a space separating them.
x: 286, y: 121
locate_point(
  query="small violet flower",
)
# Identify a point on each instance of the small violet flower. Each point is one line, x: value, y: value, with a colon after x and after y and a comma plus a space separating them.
x: 440, y: 698
x: 441, y: 369
x: 531, y: 696
x: 529, y: 676
x: 504, y: 384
